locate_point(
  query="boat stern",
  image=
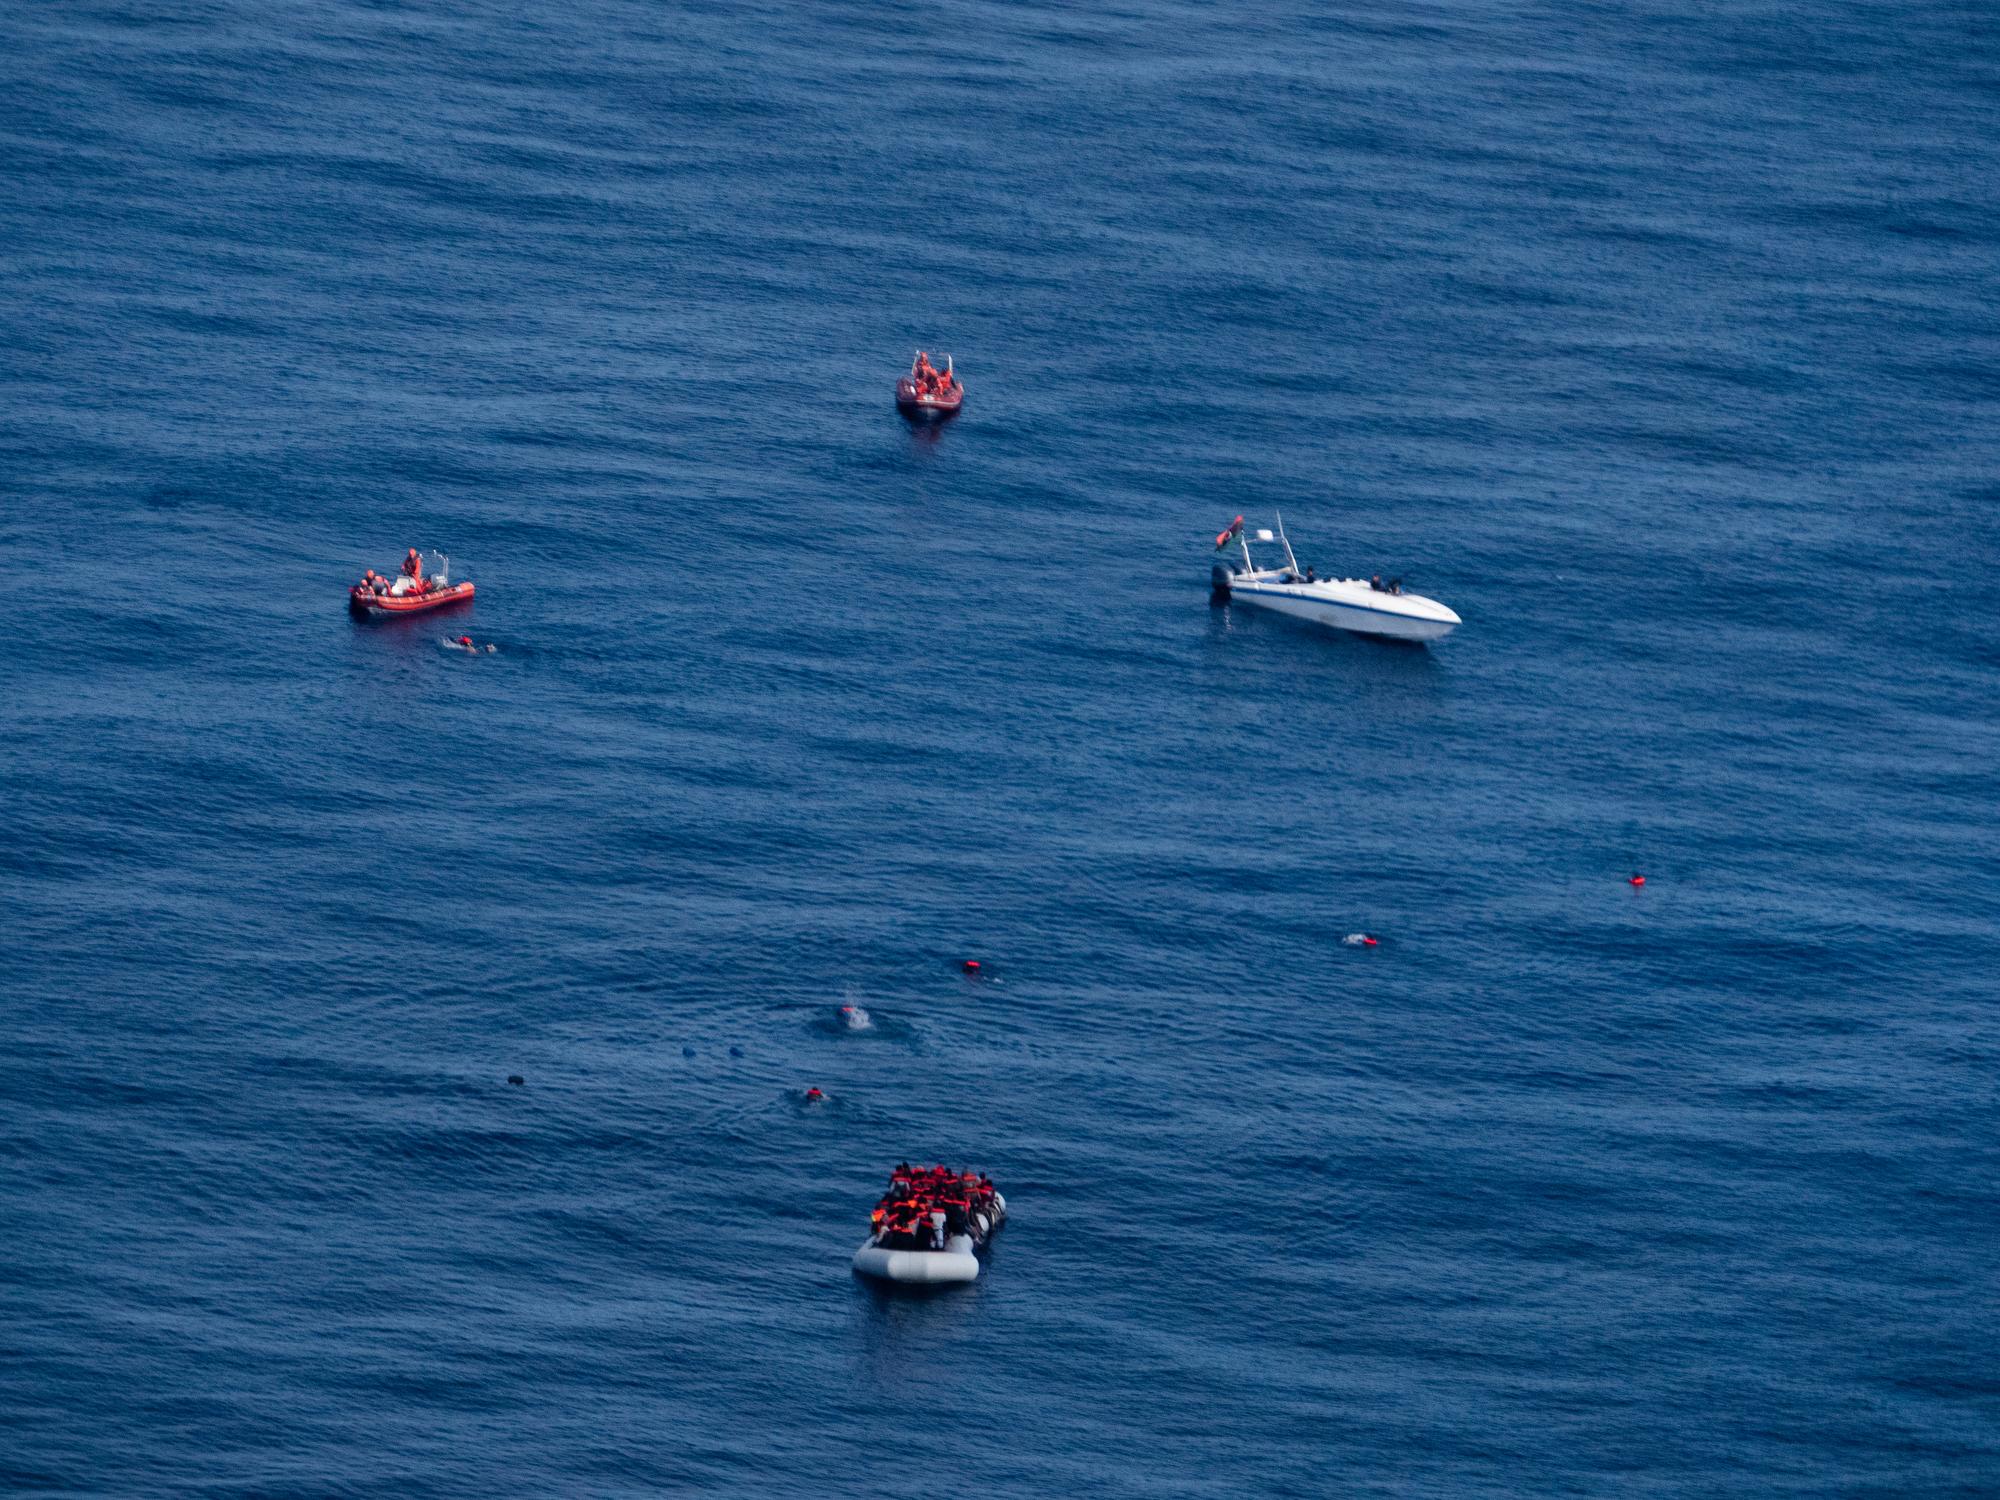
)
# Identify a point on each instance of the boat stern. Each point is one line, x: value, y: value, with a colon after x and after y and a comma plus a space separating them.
x: 917, y: 1267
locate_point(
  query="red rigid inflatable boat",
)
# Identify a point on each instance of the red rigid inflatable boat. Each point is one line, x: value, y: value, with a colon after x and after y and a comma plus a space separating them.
x: 927, y: 394
x: 436, y: 596
x: 405, y: 596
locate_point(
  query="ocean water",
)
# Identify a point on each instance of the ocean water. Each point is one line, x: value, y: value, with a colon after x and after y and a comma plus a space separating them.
x: 1659, y: 340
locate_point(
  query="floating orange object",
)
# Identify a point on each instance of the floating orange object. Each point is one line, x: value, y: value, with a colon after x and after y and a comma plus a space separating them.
x: 971, y: 966
x: 1638, y: 880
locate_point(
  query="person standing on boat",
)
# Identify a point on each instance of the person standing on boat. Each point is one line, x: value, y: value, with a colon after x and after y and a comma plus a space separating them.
x: 413, y: 569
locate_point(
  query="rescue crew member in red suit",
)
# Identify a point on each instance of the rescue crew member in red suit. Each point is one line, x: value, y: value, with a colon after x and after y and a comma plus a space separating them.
x: 413, y: 568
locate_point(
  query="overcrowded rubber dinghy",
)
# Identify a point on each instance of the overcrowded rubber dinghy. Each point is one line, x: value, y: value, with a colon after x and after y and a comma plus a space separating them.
x: 409, y: 592
x: 928, y: 393
x: 1367, y: 606
x: 930, y: 1226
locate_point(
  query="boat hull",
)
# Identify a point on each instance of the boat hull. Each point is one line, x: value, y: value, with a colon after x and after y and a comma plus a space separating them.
x: 1384, y: 620
x: 364, y: 602
x: 954, y: 1264
x: 921, y: 408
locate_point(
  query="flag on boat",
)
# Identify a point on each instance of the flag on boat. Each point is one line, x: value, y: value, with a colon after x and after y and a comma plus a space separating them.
x: 1235, y: 530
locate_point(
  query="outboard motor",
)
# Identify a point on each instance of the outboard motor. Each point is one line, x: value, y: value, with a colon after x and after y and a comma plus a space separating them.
x: 1218, y: 584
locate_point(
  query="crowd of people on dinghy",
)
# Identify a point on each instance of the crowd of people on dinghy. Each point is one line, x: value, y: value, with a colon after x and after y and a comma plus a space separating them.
x: 928, y: 378
x: 926, y: 1207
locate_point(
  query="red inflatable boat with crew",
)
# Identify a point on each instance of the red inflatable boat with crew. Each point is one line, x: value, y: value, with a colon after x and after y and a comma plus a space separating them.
x: 409, y: 592
x: 927, y: 393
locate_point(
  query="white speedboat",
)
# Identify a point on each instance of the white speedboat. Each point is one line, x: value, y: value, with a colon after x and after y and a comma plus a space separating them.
x: 1367, y: 606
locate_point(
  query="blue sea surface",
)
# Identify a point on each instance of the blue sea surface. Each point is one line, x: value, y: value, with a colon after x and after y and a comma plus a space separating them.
x: 1660, y: 340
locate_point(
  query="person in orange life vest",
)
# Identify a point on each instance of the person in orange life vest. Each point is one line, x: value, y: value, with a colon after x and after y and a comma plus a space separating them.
x: 413, y: 568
